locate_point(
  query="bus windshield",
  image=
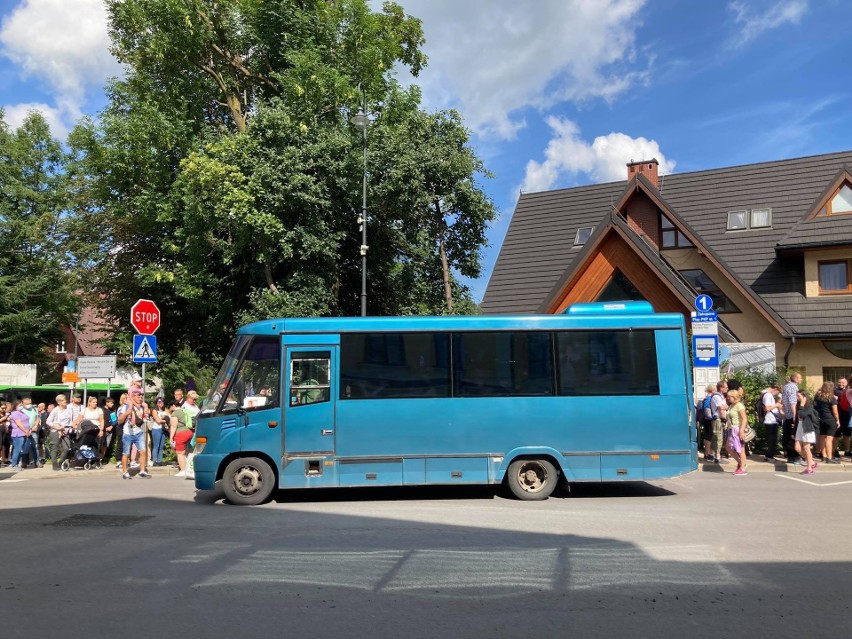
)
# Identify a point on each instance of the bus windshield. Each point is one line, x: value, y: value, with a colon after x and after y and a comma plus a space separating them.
x: 229, y: 366
x: 249, y: 377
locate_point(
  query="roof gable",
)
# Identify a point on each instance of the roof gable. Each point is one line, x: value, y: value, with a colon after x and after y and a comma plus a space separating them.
x: 817, y: 228
x: 538, y: 248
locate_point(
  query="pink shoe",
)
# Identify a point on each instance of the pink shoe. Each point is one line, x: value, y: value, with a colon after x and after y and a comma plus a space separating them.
x: 808, y: 471
x: 740, y: 471
x: 814, y: 467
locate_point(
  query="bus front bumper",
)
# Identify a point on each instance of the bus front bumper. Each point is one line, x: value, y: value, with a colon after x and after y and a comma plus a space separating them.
x: 205, y: 470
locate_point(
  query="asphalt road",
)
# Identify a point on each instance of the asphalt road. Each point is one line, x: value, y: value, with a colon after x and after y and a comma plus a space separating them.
x: 705, y: 555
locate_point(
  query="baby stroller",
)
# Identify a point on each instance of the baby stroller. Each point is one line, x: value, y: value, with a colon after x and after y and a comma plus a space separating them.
x: 84, y: 448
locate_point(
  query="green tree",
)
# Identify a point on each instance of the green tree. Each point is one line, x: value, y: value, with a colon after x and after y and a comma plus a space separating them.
x: 223, y: 178
x: 36, y: 287
x: 426, y: 180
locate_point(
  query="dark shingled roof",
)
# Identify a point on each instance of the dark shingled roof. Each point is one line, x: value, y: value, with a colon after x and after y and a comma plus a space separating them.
x: 539, y: 245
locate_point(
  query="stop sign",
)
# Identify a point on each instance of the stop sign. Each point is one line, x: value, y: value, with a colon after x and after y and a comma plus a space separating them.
x: 145, y: 317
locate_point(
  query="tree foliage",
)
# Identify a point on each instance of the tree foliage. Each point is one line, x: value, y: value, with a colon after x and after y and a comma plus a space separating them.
x: 223, y: 178
x: 35, y: 282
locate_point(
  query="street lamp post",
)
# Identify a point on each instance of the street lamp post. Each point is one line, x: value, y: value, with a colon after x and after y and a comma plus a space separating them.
x: 360, y: 120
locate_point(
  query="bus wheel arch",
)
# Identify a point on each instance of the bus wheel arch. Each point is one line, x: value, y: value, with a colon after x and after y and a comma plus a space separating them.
x: 248, y: 479
x: 533, y: 477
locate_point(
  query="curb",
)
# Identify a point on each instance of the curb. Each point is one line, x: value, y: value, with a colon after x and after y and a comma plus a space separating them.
x: 757, y: 465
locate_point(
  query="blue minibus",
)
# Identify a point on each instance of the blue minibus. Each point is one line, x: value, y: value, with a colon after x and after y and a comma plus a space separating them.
x: 602, y: 392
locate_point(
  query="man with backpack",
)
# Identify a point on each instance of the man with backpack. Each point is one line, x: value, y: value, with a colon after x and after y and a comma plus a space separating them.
x: 705, y: 422
x: 768, y: 411
x: 717, y: 414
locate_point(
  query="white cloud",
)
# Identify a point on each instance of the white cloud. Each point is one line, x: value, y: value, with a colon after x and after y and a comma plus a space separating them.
x: 604, y: 160
x: 63, y: 43
x: 14, y: 115
x: 491, y: 58
x: 752, y: 24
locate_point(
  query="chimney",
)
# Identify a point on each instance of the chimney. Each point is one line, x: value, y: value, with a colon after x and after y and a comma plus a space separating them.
x: 648, y: 168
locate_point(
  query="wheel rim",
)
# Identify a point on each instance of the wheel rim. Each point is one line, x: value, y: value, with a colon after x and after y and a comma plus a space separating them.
x: 532, y: 477
x: 248, y: 480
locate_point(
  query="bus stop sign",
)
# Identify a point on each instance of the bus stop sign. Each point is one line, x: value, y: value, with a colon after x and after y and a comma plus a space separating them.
x: 145, y: 317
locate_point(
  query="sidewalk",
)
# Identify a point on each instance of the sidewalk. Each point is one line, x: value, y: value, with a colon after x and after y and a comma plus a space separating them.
x: 109, y: 469
x: 757, y: 465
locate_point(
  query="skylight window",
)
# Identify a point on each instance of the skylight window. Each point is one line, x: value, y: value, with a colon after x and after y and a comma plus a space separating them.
x: 745, y: 219
x: 583, y: 235
x: 737, y: 220
x: 701, y: 283
x: 761, y: 218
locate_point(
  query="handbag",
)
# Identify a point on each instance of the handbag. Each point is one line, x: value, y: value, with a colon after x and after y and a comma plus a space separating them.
x: 748, y: 433
x: 190, y: 466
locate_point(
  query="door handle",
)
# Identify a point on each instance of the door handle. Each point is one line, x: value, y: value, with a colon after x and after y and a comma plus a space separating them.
x: 327, y: 431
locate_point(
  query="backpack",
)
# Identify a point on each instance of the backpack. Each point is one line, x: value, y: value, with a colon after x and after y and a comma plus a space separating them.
x: 760, y: 409
x: 843, y: 401
x: 707, y: 408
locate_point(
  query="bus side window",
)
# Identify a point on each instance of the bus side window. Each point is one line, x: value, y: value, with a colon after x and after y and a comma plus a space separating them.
x: 310, y: 378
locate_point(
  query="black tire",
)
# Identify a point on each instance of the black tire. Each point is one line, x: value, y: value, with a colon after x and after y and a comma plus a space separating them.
x: 532, y: 479
x: 66, y: 465
x: 248, y: 481
x: 87, y: 466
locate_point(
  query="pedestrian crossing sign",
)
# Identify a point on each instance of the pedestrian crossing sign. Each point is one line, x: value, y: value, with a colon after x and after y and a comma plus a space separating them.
x: 144, y: 349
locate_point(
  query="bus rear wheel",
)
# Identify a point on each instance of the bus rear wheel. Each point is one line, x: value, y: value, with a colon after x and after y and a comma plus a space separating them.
x: 532, y: 479
x: 248, y: 481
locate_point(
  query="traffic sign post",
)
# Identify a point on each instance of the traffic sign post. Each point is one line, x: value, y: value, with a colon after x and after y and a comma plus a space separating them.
x: 705, y: 343
x: 145, y: 317
x: 144, y: 349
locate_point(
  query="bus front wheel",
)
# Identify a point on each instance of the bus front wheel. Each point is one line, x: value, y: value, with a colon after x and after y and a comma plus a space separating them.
x: 248, y: 481
x: 532, y: 479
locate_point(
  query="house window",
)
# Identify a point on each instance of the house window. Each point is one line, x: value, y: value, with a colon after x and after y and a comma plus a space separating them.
x: 761, y: 218
x: 583, y: 235
x: 670, y: 237
x: 749, y: 219
x: 841, y: 202
x: 619, y: 288
x: 60, y: 346
x: 701, y: 283
x: 835, y: 277
x: 839, y: 348
x: 833, y: 373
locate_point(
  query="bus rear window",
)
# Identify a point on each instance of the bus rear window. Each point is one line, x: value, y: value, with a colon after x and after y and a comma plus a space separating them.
x: 607, y: 363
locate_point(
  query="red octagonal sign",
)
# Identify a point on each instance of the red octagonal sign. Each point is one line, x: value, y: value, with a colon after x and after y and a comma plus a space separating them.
x: 145, y: 317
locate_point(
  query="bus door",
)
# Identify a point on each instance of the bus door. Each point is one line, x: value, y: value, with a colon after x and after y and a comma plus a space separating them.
x: 310, y: 410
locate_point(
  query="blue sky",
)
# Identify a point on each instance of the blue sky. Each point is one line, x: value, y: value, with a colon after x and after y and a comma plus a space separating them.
x: 558, y: 93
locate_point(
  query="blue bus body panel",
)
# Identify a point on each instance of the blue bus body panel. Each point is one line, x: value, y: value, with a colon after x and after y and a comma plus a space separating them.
x: 474, y: 440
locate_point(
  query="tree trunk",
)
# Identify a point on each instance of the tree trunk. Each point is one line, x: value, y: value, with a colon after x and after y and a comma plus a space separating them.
x: 267, y: 271
x: 236, y: 108
x: 445, y: 265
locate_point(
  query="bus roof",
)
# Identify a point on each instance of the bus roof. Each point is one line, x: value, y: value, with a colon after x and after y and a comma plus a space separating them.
x: 579, y: 316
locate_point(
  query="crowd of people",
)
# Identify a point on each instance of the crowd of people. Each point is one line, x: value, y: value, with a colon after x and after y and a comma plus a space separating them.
x: 130, y: 432
x: 805, y: 430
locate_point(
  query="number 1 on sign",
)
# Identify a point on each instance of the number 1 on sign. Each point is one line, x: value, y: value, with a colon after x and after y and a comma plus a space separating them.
x: 703, y: 302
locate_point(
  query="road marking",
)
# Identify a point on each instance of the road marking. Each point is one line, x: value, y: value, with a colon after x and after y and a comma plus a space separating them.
x: 12, y: 481
x: 812, y: 483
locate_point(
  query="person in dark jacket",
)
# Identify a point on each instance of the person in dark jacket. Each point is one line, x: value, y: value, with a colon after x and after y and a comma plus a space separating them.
x: 806, y: 431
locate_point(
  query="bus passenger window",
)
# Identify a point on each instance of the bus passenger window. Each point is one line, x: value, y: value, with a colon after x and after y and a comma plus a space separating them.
x: 310, y: 377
